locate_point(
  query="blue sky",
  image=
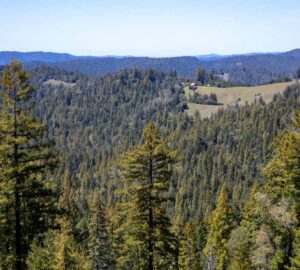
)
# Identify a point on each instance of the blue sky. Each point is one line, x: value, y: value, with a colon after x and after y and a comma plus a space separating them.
x: 153, y: 28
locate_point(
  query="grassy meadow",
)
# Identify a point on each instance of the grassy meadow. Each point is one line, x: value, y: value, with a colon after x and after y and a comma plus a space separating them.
x: 233, y: 95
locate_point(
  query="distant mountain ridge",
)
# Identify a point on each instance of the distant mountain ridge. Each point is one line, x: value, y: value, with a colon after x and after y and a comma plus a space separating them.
x: 248, y: 69
x: 52, y: 57
x: 257, y: 68
x: 213, y: 56
x: 25, y: 57
x: 258, y: 59
x: 45, y: 57
x: 185, y: 66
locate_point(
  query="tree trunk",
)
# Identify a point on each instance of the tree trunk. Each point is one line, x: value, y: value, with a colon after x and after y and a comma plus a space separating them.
x: 18, y: 231
x: 289, y: 248
x: 17, y: 194
x: 211, y: 258
x: 150, y: 218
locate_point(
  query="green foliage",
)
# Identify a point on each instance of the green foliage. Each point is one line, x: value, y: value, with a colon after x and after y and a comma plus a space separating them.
x: 264, y: 250
x: 282, y: 173
x: 295, y: 260
x: 238, y: 249
x: 271, y: 217
x: 93, y: 120
x: 99, y: 243
x: 42, y: 253
x: 148, y: 241
x: 204, y: 99
x: 201, y: 76
x: 68, y: 254
x: 57, y: 251
x: 221, y: 224
x: 188, y: 252
x: 282, y: 176
x: 26, y: 197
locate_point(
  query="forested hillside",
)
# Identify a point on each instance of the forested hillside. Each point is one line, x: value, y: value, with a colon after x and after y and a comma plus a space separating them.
x: 185, y: 66
x: 182, y: 193
x: 257, y: 69
x: 276, y: 62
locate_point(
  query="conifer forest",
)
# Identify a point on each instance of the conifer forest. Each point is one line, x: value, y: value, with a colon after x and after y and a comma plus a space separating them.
x: 171, y: 161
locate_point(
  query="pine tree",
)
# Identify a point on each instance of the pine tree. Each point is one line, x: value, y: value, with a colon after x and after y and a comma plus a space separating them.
x: 282, y: 185
x: 201, y: 75
x: 264, y: 250
x: 58, y: 249
x: 238, y: 249
x: 251, y: 219
x: 188, y: 256
x: 42, y: 253
x: 243, y: 241
x: 295, y: 260
x: 69, y: 254
x: 148, y: 241
x: 99, y: 244
x: 272, y: 217
x: 282, y: 173
x: 26, y: 199
x: 221, y: 224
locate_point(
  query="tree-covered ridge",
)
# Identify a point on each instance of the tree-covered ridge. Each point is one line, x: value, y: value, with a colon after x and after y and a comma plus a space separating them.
x: 251, y: 70
x: 231, y: 146
x: 185, y: 66
x: 101, y: 116
x: 78, y: 120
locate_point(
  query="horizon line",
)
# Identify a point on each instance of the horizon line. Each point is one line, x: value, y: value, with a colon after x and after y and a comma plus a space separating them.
x: 129, y: 55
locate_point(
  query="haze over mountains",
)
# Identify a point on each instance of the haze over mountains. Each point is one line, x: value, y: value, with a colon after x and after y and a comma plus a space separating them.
x: 248, y: 69
x: 52, y: 57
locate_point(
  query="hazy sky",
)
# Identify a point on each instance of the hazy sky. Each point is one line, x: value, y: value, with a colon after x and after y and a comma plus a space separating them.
x: 153, y: 28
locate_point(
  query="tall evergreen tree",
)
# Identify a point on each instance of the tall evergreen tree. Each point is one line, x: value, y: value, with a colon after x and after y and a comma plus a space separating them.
x: 26, y: 199
x: 282, y: 185
x: 69, y: 254
x: 295, y: 260
x: 271, y: 217
x: 99, y: 244
x: 238, y: 249
x: 42, y: 252
x: 264, y: 250
x: 188, y: 256
x: 147, y: 174
x: 201, y: 75
x: 221, y: 224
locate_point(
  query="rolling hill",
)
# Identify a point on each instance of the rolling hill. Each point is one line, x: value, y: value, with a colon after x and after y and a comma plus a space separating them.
x: 233, y: 96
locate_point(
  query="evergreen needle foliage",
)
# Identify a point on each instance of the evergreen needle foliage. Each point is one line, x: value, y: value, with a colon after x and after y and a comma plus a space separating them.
x: 26, y: 197
x: 146, y: 171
